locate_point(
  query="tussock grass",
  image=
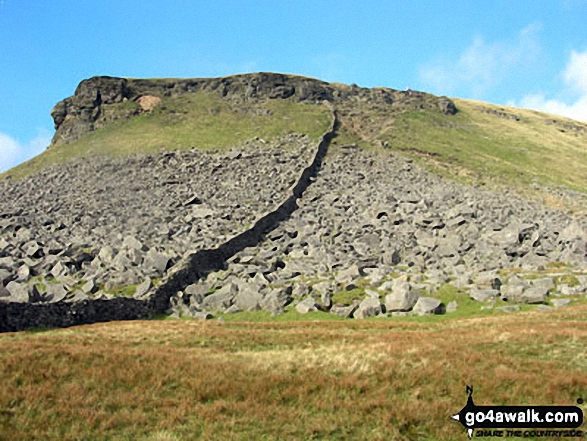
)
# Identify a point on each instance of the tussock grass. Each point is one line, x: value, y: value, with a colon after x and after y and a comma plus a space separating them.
x: 175, y: 380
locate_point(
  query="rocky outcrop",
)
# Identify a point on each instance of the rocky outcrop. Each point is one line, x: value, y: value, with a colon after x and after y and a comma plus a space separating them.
x: 87, y: 109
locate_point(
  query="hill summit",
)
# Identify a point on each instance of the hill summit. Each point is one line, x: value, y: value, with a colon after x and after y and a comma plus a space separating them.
x: 94, y: 103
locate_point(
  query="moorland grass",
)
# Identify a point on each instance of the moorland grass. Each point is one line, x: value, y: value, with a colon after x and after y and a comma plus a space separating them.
x: 479, y: 146
x: 284, y: 381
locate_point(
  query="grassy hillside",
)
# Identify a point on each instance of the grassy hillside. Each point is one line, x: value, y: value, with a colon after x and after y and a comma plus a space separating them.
x: 202, y: 121
x: 482, y: 144
x: 491, y: 145
x: 372, y: 380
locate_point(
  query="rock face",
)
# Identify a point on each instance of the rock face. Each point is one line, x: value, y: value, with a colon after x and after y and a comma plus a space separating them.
x: 88, y: 108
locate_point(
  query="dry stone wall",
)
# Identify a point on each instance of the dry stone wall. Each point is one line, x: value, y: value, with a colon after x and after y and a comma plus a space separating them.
x: 24, y: 305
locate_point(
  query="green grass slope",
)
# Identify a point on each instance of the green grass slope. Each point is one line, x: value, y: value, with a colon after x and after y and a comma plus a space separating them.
x: 534, y: 153
x: 202, y: 121
x: 496, y: 146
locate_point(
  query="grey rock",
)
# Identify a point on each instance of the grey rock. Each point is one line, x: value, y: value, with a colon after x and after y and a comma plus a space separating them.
x: 401, y: 300
x: 452, y: 306
x: 249, y: 297
x: 156, y: 261
x: 350, y: 274
x: 543, y: 308
x: 559, y: 303
x: 567, y: 290
x: 546, y: 283
x: 427, y: 306
x: 19, y: 292
x: 512, y: 293
x: 307, y: 305
x: 326, y: 300
x: 534, y: 294
x: 300, y: 290
x: 33, y: 249
x: 24, y: 273
x: 483, y: 295
x: 369, y: 307
x: 106, y: 254
x: 509, y: 308
x: 4, y: 244
x: 221, y: 299
x: 60, y: 270
x: 121, y: 262
x: 277, y: 300
x: 323, y: 287
x: 143, y: 288
x: 56, y: 292
x: 90, y: 287
x: 232, y: 309
x: 132, y: 243
x: 344, y: 311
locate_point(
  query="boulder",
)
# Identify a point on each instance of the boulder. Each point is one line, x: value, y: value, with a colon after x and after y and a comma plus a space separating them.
x: 348, y: 275
x: 534, y: 294
x: 19, y: 292
x: 509, y: 308
x: 483, y: 295
x: 23, y: 273
x: 143, y: 288
x: 249, y: 297
x: 559, y: 303
x: 428, y: 306
x: 401, y: 300
x: 90, y: 287
x: 277, y: 300
x: 55, y: 292
x: 402, y: 296
x: 546, y: 283
x: 344, y: 311
x: 307, y: 305
x: 513, y: 292
x: 221, y: 299
x: 369, y: 307
x: 156, y: 261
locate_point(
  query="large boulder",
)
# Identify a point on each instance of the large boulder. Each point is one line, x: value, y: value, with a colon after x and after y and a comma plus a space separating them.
x: 428, y: 306
x: 307, y: 305
x: 277, y: 300
x: 221, y: 299
x: 344, y: 311
x: 402, y: 297
x: 369, y: 307
x: 19, y: 292
x: 249, y: 297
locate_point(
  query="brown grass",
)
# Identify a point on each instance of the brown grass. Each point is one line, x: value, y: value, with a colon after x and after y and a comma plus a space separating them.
x: 175, y: 380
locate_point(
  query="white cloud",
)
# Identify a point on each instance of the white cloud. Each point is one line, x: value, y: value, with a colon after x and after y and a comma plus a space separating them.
x: 13, y: 152
x: 482, y: 65
x: 575, y: 79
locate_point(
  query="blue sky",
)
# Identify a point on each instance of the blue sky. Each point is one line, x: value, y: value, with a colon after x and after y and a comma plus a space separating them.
x: 524, y: 53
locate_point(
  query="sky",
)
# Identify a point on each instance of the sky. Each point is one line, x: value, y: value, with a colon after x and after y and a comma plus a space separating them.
x: 524, y: 53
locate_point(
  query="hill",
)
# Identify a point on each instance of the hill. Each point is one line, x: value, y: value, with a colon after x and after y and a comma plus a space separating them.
x: 365, y: 253
x: 223, y: 196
